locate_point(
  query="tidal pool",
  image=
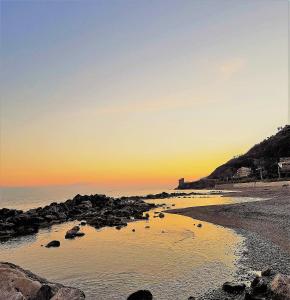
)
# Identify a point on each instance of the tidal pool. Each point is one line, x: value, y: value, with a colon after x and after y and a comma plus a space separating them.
x: 173, y: 258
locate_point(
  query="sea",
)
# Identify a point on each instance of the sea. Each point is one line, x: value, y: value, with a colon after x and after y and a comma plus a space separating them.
x: 171, y: 257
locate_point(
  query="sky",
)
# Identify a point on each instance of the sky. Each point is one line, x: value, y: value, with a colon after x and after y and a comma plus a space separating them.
x: 124, y: 93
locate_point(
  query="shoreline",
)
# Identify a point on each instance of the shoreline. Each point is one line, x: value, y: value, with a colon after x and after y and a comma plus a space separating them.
x: 264, y: 220
x: 269, y: 218
x: 97, y: 210
x: 265, y: 225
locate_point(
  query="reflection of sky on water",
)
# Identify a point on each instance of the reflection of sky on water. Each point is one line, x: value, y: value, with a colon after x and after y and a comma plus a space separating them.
x: 173, y: 258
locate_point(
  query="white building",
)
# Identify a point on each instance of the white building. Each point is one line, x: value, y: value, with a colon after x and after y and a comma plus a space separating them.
x: 284, y: 164
x: 243, y: 172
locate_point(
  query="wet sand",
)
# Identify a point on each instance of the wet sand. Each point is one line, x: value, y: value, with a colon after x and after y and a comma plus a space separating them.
x: 268, y: 218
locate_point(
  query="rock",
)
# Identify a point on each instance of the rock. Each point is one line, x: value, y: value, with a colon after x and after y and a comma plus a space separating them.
x: 259, y: 285
x: 76, y: 228
x: 6, y: 234
x: 199, y: 225
x: 119, y: 227
x: 249, y: 296
x: 280, y: 287
x: 44, y: 293
x: 79, y: 234
x: 53, y: 244
x: 19, y: 284
x: 231, y: 287
x: 95, y: 210
x: 141, y: 295
x: 161, y: 215
x: 70, y: 234
x: 266, y: 272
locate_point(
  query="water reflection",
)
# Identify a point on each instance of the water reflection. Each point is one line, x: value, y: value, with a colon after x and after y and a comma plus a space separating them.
x: 173, y: 258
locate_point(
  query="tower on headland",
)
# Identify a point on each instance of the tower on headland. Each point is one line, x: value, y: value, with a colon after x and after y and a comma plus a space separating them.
x: 181, y: 182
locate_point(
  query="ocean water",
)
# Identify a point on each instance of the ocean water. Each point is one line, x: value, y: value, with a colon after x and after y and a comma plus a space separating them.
x: 173, y: 258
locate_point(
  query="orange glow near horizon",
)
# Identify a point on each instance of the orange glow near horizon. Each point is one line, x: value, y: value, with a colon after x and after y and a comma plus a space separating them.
x: 123, y: 94
x: 158, y: 172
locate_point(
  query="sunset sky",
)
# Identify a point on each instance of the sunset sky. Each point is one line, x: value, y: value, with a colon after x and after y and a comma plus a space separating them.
x: 137, y: 92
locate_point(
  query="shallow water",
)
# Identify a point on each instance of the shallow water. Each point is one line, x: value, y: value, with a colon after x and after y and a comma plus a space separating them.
x: 173, y: 258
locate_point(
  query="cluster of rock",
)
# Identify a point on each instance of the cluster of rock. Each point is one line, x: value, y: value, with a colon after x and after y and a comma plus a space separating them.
x: 268, y: 286
x: 96, y: 210
x: 20, y: 284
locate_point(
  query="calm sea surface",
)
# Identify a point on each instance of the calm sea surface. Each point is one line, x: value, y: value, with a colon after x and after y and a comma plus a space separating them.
x: 173, y: 258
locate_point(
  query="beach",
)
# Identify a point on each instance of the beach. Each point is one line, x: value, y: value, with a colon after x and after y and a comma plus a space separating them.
x: 269, y: 218
x: 265, y: 225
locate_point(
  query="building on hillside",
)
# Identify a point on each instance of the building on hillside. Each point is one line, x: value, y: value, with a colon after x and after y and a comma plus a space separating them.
x: 243, y: 172
x: 284, y: 165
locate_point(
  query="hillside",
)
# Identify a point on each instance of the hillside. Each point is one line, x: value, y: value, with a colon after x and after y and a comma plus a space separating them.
x: 265, y: 154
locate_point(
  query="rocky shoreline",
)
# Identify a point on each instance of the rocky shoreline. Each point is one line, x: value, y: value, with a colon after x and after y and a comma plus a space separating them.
x: 19, y: 284
x: 96, y: 210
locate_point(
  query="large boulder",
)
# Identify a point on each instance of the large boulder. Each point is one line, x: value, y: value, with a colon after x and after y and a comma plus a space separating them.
x: 19, y: 284
x: 280, y: 287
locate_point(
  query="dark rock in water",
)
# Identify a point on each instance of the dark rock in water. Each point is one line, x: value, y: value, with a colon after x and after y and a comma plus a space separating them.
x: 161, y: 215
x: 53, y: 244
x: 76, y: 228
x: 70, y: 234
x: 17, y: 283
x: 141, y: 295
x: 79, y: 234
x: 118, y: 227
x: 231, y: 287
